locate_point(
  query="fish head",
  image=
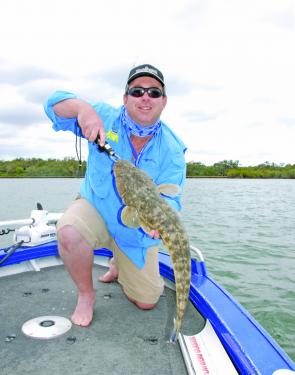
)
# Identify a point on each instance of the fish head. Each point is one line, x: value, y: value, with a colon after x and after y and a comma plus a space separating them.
x: 125, y: 177
x: 131, y: 182
x: 122, y: 168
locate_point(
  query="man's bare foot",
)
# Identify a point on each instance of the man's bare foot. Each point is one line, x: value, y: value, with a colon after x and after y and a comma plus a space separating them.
x: 111, y: 274
x: 83, y: 313
x: 108, y: 277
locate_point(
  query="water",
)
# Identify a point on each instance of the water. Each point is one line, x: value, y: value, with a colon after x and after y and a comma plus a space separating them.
x: 245, y: 229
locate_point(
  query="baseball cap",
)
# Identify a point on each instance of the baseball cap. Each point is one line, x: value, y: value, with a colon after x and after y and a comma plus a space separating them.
x: 146, y: 70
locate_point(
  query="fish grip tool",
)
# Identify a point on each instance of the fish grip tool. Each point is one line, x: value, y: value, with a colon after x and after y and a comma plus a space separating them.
x: 108, y: 149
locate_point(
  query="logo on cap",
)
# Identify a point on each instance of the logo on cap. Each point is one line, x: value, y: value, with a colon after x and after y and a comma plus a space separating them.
x: 146, y: 69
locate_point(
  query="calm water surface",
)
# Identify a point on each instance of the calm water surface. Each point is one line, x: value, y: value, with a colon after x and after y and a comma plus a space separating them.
x: 245, y: 229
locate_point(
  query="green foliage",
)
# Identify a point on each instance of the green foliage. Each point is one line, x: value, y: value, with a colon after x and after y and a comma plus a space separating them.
x: 219, y: 169
x: 68, y: 167
x: 231, y: 169
x: 224, y: 166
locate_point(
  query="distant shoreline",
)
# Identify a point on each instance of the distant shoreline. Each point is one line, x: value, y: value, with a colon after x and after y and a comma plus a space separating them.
x: 69, y: 168
x: 34, y: 177
x: 188, y: 177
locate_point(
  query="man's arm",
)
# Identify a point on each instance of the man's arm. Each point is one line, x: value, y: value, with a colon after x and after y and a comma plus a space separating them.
x: 88, y: 119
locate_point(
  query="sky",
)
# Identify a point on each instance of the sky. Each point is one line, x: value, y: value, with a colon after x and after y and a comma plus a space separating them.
x: 228, y: 67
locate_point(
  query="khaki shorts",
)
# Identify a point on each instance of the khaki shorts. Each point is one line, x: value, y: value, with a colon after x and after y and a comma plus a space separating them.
x: 143, y: 285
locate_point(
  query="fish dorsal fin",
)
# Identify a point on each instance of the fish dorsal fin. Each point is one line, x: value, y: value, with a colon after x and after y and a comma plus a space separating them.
x: 129, y: 217
x: 171, y: 190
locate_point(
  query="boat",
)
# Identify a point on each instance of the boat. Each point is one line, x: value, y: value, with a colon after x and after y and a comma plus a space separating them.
x: 219, y: 336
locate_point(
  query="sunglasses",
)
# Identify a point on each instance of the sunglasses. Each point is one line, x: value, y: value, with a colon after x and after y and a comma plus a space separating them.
x: 137, y: 92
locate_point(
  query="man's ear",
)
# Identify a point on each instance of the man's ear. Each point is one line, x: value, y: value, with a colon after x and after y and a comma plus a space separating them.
x: 164, y: 101
x: 125, y: 98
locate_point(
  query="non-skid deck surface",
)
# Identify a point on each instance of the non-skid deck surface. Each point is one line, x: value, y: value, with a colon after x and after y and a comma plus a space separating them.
x: 121, y: 339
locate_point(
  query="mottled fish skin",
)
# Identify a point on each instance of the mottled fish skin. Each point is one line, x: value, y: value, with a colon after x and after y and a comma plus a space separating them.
x: 138, y: 191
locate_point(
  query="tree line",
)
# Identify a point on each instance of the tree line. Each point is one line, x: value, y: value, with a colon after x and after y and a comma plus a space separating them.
x: 69, y: 167
x: 232, y: 169
x: 35, y: 167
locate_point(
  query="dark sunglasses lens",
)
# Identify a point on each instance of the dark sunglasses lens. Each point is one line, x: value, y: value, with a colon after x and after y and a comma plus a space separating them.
x: 137, y: 92
x: 154, y: 93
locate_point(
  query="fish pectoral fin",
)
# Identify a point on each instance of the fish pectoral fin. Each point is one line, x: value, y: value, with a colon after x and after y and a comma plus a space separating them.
x: 129, y: 217
x: 171, y: 190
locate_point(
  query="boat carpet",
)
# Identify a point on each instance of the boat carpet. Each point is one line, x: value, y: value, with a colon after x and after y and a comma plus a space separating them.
x: 121, y: 339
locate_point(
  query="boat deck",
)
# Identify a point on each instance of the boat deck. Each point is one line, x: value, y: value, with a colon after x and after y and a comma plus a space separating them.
x: 121, y: 339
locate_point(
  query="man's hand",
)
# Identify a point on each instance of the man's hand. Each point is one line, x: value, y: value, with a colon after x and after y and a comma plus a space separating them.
x: 88, y: 119
x: 91, y: 124
x: 154, y: 234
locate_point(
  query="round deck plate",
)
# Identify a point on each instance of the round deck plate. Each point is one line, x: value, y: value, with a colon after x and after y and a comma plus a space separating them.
x: 46, y: 327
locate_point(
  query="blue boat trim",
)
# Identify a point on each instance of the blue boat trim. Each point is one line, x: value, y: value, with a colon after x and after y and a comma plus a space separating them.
x: 240, y: 334
x: 26, y: 253
x: 238, y: 331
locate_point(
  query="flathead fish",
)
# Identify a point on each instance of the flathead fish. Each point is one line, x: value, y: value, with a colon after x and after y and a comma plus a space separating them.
x: 145, y: 208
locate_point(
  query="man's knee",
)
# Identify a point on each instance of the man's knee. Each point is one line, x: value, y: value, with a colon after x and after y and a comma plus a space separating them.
x: 145, y: 296
x: 145, y: 306
x: 142, y: 305
x: 68, y: 237
x: 63, y: 236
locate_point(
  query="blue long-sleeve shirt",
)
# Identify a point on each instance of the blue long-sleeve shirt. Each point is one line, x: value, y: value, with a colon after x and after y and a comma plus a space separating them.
x: 162, y: 158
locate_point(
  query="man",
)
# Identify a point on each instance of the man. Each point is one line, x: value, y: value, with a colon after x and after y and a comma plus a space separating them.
x: 137, y: 134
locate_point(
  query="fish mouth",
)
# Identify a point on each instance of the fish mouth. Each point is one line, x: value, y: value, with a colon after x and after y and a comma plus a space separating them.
x: 119, y: 168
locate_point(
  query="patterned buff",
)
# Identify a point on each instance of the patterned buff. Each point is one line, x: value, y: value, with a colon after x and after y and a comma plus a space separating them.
x: 138, y: 130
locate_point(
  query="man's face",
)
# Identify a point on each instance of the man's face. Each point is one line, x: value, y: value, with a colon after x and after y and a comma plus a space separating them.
x: 145, y: 110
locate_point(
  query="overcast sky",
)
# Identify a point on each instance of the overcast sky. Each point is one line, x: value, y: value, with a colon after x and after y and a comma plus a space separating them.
x: 228, y: 66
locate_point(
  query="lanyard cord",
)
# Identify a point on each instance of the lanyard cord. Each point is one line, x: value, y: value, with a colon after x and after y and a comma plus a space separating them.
x: 137, y: 156
x: 78, y: 151
x: 134, y: 153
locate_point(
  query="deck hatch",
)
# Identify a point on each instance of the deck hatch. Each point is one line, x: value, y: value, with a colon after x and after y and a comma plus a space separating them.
x: 46, y: 327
